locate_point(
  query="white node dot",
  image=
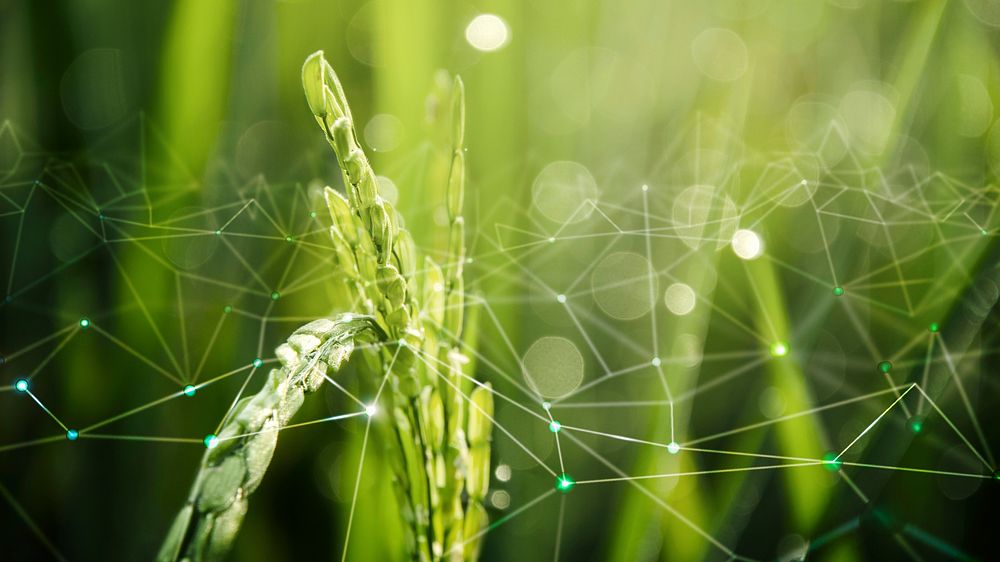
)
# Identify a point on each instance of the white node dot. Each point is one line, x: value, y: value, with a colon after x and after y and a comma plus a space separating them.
x: 561, y: 298
x: 487, y: 32
x: 656, y: 362
x: 747, y: 245
x: 645, y: 188
x: 779, y: 349
x: 371, y: 410
x: 673, y: 448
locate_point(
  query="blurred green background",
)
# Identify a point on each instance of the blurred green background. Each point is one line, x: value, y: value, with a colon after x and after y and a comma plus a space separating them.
x: 177, y: 113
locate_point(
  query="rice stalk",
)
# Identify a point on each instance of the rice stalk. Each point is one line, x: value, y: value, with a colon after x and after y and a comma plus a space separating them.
x: 438, y: 430
x: 237, y: 458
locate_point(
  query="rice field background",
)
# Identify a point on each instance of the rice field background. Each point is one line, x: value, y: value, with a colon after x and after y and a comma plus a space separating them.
x: 731, y: 270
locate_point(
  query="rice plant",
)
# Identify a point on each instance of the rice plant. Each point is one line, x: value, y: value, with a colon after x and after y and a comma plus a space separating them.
x: 406, y: 323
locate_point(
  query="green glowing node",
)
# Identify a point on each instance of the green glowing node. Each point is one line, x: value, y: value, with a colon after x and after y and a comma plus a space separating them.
x: 564, y: 483
x: 211, y: 441
x: 72, y: 434
x: 838, y: 291
x: 984, y: 232
x: 546, y: 406
x: 934, y: 327
x: 218, y: 233
x: 561, y: 298
x: 555, y: 426
x: 289, y: 239
x: 779, y: 349
x: 227, y: 309
x: 884, y: 366
x: 21, y: 385
x: 831, y: 462
x: 312, y: 214
x: 996, y: 474
x: 84, y: 322
x: 275, y: 295
x: 258, y: 362
x: 656, y: 362
x: 189, y: 390
x: 916, y: 424
x: 673, y: 448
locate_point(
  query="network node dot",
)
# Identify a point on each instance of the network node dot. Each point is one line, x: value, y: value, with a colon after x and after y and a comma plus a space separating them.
x: 227, y: 309
x: 211, y: 441
x: 546, y: 406
x: 673, y: 448
x: 831, y: 462
x: 645, y: 188
x: 72, y: 434
x: 656, y: 362
x: 84, y: 322
x: 275, y: 295
x: 552, y: 240
x: 21, y: 385
x: 885, y: 366
x: 564, y: 483
x: 934, y: 327
x: 468, y: 260
x: 561, y: 298
x: 312, y: 214
x: 370, y: 410
x: 2, y: 359
x: 838, y: 291
x: 218, y: 233
x: 555, y: 426
x: 996, y: 474
x: 289, y: 239
x: 190, y: 390
x: 779, y: 349
x: 984, y: 232
x: 916, y: 424
x: 257, y: 362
